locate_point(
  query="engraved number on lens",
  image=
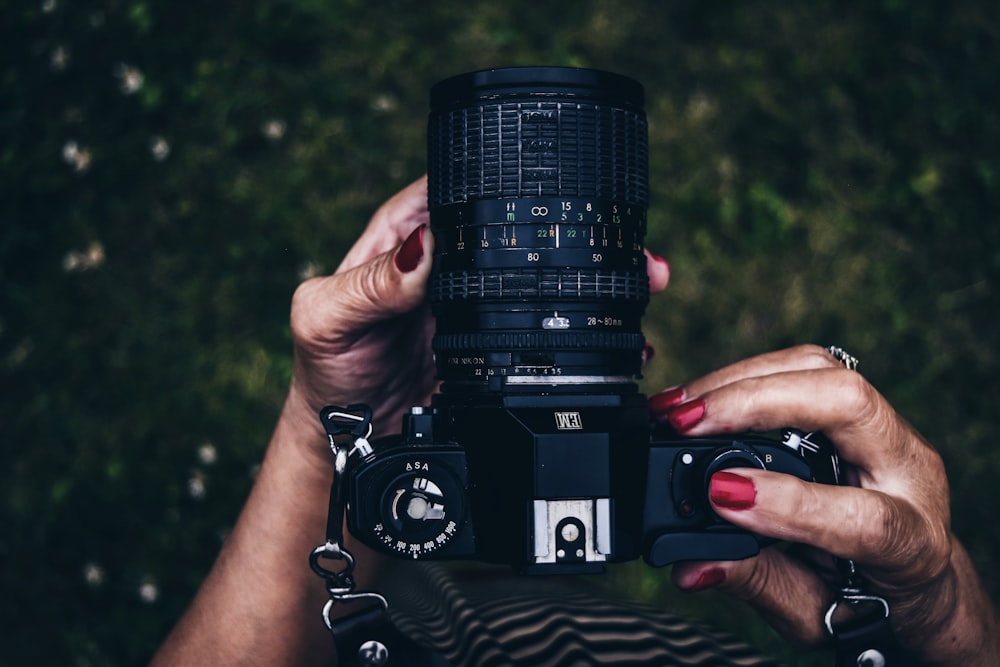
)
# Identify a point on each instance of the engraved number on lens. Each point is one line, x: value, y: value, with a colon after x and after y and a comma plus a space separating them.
x: 537, y: 451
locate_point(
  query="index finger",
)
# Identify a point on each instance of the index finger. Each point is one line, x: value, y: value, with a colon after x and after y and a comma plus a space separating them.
x: 799, y: 358
x: 393, y: 222
x: 842, y: 404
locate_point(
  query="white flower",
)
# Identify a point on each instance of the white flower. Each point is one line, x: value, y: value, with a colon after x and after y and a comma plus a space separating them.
x: 308, y: 270
x: 93, y: 574
x: 48, y: 6
x: 131, y: 78
x: 160, y: 149
x: 59, y: 58
x: 207, y: 454
x: 70, y: 150
x: 75, y: 156
x: 149, y: 592
x: 273, y: 129
x: 384, y: 102
x: 95, y: 255
x: 71, y: 262
x: 84, y: 260
x: 196, y: 486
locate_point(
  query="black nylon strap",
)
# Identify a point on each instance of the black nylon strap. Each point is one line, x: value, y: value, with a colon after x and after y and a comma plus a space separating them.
x: 355, y: 638
x: 869, y: 642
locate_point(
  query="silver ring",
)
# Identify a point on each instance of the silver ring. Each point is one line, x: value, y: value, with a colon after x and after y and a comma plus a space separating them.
x: 840, y: 354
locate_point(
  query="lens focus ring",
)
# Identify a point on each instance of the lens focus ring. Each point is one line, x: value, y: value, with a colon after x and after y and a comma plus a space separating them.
x: 538, y: 149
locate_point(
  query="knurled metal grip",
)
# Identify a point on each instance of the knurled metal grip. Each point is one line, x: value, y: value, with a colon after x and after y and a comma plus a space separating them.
x: 584, y: 340
x: 537, y: 132
x: 547, y: 283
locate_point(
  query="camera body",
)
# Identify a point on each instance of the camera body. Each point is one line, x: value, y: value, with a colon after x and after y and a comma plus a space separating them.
x: 558, y: 484
x: 538, y: 450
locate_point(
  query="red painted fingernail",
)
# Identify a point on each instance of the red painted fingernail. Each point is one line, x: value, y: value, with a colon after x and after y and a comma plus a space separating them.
x: 412, y: 251
x: 660, y: 403
x: 710, y: 578
x: 660, y: 260
x: 648, y: 352
x: 684, y: 416
x: 732, y: 491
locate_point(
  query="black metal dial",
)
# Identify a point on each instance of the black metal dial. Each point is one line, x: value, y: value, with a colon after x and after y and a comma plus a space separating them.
x: 414, y: 504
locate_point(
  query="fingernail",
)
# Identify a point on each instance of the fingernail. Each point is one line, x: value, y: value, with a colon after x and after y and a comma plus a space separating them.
x: 709, y: 578
x: 648, y: 352
x: 732, y: 491
x: 660, y: 260
x: 412, y: 251
x: 684, y: 416
x: 660, y: 403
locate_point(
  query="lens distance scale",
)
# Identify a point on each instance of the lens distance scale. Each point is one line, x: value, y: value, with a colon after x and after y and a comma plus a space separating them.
x: 540, y: 232
x: 540, y: 289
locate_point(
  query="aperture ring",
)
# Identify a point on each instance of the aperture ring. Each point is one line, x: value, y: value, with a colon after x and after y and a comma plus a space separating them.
x: 543, y: 283
x: 538, y: 340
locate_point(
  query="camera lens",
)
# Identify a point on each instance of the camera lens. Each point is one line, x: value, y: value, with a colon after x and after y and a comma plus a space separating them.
x: 538, y: 189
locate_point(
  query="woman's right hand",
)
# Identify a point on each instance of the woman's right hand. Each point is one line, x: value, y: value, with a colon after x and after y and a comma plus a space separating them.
x: 893, y: 520
x: 362, y: 335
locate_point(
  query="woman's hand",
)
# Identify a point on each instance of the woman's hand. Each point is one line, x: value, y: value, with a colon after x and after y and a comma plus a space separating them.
x: 893, y: 522
x: 362, y: 335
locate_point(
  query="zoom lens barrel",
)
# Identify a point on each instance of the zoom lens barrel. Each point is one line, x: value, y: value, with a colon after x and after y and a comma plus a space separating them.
x: 538, y: 189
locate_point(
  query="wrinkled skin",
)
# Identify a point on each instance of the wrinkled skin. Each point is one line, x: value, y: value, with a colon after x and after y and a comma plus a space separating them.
x: 363, y: 335
x: 893, y: 520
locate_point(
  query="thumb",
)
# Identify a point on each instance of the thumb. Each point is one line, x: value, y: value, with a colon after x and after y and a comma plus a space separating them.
x: 333, y: 311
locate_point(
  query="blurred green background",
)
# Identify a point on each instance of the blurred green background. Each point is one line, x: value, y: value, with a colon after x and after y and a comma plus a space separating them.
x: 169, y: 171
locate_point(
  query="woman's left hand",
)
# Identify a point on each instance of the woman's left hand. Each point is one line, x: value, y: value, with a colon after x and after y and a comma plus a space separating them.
x: 893, y: 522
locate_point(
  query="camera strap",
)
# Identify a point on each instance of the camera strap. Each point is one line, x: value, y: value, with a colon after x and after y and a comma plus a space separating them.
x: 858, y: 621
x: 863, y: 637
x: 348, y: 430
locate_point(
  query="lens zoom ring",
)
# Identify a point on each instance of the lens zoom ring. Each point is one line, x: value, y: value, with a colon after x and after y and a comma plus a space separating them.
x: 538, y: 149
x: 538, y: 340
x: 539, y: 284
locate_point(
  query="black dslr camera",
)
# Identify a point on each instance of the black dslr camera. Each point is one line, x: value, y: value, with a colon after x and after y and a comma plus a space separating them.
x: 539, y: 450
